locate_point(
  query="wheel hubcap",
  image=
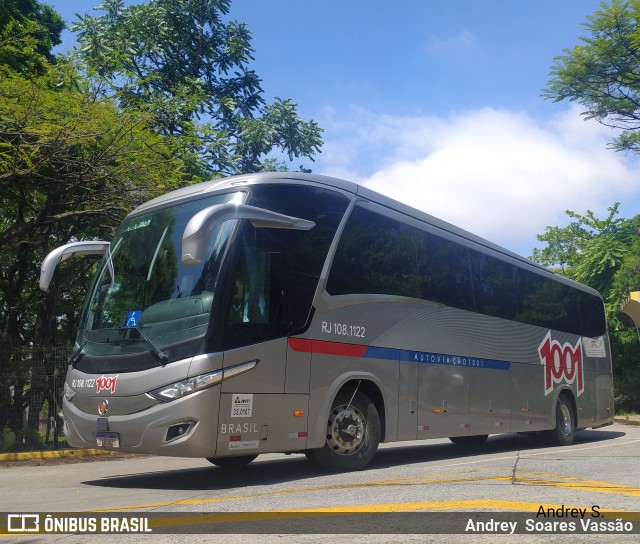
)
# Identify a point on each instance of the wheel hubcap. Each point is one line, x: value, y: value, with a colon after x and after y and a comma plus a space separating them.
x: 345, y: 430
x: 566, y: 420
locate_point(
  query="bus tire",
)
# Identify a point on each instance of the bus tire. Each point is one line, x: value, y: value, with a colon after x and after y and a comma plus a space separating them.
x: 565, y: 429
x: 231, y: 462
x: 353, y: 434
x: 469, y: 441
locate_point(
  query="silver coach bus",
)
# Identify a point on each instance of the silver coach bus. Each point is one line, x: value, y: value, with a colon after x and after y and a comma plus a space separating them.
x: 285, y: 312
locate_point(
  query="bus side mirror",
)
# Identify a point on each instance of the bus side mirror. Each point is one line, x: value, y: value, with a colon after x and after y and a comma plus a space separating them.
x: 196, y: 235
x: 62, y: 253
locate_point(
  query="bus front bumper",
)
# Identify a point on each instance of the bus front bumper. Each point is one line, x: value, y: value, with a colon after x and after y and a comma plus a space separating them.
x: 186, y: 427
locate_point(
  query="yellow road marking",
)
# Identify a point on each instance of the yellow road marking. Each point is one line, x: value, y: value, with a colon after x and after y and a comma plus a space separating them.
x: 466, y: 476
x: 432, y: 506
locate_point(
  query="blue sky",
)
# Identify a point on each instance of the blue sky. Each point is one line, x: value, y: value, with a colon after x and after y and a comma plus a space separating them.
x: 437, y: 103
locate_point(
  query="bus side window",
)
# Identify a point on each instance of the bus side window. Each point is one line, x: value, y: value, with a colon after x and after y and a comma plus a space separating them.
x: 302, y: 253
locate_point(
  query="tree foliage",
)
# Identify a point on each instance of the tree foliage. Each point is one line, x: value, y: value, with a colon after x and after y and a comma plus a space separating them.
x: 589, y: 249
x: 603, y: 72
x: 186, y: 63
x: 70, y: 168
x: 28, y: 32
x: 604, y: 254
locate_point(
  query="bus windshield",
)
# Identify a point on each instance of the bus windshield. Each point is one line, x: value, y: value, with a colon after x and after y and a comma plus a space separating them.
x: 144, y: 297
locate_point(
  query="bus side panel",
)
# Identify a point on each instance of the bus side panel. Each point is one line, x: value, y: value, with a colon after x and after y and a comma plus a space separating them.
x: 604, y: 398
x: 407, y: 401
x: 463, y: 400
x: 587, y: 402
x: 443, y: 401
x: 489, y: 401
x: 595, y: 406
x: 255, y: 416
x: 269, y: 373
x: 531, y: 410
x: 298, y: 371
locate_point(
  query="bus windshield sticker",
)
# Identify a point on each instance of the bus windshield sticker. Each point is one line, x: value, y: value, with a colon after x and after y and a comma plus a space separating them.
x: 133, y: 318
x: 139, y: 225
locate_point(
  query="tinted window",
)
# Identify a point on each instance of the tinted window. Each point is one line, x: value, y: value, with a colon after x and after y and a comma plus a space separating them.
x: 444, y: 270
x: 592, y: 314
x: 379, y: 255
x: 493, y: 286
x: 376, y: 255
x: 537, y: 300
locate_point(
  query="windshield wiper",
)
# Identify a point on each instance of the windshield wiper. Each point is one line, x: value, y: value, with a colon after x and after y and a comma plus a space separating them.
x: 158, y: 354
x: 77, y: 354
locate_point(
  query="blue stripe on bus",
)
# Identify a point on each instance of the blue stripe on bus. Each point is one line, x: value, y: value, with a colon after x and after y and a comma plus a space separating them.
x: 426, y: 357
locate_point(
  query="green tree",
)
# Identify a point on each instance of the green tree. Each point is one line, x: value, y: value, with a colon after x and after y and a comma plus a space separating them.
x: 186, y: 63
x: 603, y: 72
x: 604, y: 254
x: 28, y: 32
x: 588, y: 250
x: 70, y: 168
x: 65, y: 156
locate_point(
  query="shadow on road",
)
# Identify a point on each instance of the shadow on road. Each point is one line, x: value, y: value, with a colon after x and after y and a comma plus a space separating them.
x: 296, y: 467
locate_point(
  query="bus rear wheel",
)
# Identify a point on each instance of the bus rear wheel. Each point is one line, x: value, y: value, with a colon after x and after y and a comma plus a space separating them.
x: 353, y: 434
x: 231, y: 462
x: 565, y: 430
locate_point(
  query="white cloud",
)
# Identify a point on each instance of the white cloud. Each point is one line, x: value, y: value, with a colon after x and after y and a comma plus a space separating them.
x: 459, y: 44
x: 499, y: 174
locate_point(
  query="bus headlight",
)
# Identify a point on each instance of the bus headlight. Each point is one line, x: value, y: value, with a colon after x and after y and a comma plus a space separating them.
x: 183, y: 388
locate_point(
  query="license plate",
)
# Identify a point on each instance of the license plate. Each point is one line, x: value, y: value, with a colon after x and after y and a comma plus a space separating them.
x: 108, y: 440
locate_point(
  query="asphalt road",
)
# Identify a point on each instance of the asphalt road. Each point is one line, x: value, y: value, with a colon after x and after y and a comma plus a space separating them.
x: 510, y: 478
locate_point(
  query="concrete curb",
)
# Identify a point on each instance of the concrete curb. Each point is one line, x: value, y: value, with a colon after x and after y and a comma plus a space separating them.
x: 634, y: 420
x: 55, y: 454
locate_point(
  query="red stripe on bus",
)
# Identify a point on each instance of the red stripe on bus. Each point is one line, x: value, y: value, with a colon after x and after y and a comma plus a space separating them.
x: 326, y: 348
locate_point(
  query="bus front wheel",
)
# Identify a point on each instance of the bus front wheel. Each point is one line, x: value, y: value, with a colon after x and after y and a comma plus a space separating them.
x: 353, y: 434
x: 565, y: 430
x: 231, y: 462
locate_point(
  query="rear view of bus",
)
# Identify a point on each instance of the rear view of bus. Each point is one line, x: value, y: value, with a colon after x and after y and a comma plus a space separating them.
x: 218, y: 326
